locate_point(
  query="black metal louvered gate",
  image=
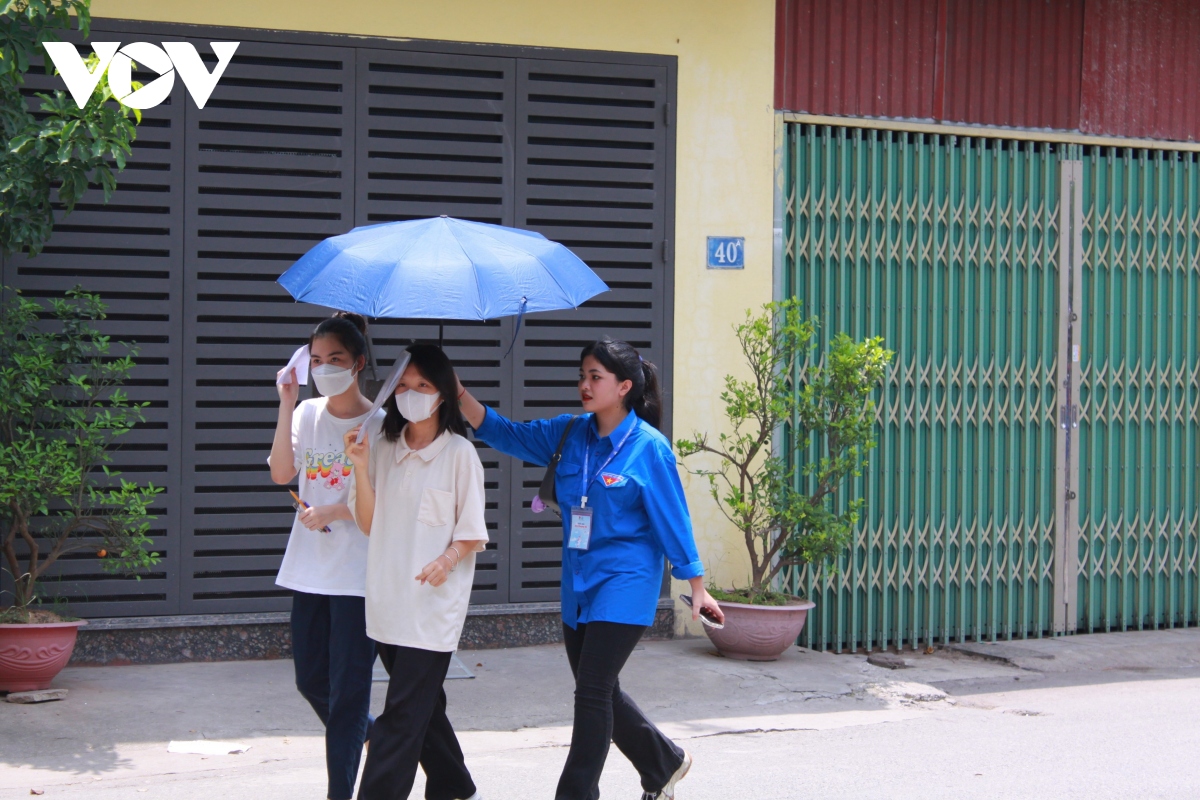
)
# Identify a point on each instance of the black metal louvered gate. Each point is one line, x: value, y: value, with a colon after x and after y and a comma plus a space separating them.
x: 305, y: 137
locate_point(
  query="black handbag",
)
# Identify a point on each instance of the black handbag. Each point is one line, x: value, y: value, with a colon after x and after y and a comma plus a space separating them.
x: 546, y: 492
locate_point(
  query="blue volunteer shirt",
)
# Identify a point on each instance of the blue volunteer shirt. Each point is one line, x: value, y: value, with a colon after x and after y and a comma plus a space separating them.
x: 639, y: 512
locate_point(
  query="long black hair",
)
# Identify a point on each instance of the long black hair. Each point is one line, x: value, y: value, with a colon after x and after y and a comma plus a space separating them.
x: 622, y: 359
x: 348, y: 328
x: 436, y: 368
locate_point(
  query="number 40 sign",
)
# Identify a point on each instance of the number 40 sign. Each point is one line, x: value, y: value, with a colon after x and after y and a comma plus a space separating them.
x: 726, y: 252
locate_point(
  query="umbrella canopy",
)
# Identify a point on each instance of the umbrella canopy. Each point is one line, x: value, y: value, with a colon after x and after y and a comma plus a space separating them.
x: 441, y: 268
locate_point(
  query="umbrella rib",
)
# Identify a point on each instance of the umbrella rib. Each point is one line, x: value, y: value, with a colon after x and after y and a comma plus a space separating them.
x: 546, y: 268
x: 474, y: 273
x: 395, y: 261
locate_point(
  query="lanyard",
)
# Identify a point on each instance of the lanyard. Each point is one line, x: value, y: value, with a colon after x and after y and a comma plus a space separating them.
x: 587, y: 457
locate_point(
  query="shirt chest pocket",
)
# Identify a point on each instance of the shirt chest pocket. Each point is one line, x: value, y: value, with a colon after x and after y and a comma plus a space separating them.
x: 567, y: 479
x: 621, y: 497
x: 436, y: 509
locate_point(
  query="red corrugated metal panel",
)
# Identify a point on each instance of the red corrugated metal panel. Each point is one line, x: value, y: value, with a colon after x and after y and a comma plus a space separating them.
x: 1014, y: 63
x: 1116, y: 67
x: 1141, y: 71
x: 867, y: 58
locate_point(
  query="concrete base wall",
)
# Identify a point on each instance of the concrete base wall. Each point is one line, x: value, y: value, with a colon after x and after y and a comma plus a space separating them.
x: 241, y: 637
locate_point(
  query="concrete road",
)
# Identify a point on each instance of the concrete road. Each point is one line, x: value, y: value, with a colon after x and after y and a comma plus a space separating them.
x: 1110, y: 716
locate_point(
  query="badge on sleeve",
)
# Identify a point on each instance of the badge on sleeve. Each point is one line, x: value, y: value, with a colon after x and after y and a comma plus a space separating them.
x: 612, y: 481
x: 581, y: 529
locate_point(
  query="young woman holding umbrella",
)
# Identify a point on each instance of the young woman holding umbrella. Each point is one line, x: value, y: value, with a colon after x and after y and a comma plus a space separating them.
x: 325, y: 564
x: 623, y: 510
x: 419, y: 495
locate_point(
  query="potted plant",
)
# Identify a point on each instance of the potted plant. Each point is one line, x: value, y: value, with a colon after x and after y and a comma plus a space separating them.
x: 61, y: 407
x: 787, y: 512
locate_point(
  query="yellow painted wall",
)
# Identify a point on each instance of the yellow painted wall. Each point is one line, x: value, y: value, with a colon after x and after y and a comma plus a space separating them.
x: 725, y: 144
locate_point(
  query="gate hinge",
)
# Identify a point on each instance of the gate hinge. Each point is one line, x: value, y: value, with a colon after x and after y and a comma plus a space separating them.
x: 1068, y: 416
x: 667, y: 114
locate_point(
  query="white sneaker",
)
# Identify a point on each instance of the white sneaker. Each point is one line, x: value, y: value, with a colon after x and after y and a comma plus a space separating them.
x: 476, y: 796
x: 668, y: 791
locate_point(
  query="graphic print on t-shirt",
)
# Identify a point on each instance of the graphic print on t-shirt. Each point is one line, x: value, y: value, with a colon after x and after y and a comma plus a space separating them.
x: 331, y: 469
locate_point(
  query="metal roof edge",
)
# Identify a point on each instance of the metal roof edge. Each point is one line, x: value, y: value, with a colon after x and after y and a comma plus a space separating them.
x: 950, y: 129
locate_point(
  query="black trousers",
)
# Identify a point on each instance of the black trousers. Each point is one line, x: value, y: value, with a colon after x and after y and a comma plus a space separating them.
x: 603, y: 713
x: 413, y: 729
x: 333, y: 657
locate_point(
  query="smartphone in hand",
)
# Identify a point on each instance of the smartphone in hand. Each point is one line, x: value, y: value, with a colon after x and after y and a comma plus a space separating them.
x: 706, y: 616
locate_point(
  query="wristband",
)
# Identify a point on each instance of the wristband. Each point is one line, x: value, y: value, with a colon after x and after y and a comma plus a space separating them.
x: 455, y: 549
x: 452, y: 564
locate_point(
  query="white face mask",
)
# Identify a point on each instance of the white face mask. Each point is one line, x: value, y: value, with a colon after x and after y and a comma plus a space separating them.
x: 332, y: 380
x: 415, y: 406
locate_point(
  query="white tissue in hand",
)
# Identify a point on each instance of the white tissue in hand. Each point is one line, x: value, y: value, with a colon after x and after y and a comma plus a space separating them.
x: 299, y: 362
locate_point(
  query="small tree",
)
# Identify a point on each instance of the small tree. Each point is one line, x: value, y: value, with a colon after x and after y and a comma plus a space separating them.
x: 758, y: 489
x: 60, y: 401
x: 52, y: 156
x: 61, y: 407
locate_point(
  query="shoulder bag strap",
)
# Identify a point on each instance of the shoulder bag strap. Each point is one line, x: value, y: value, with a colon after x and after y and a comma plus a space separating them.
x: 546, y: 491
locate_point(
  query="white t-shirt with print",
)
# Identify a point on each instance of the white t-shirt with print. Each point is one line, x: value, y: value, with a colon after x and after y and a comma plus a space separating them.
x: 424, y: 500
x: 316, y: 562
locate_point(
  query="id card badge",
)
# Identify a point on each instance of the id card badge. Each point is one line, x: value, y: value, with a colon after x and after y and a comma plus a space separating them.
x: 581, y: 529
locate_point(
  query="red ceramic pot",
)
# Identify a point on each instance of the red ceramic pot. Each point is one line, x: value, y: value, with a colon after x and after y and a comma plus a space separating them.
x: 759, y: 633
x: 32, y: 655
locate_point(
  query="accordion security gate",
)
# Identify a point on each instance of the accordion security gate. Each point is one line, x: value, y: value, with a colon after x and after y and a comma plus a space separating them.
x: 1139, y: 405
x: 1029, y: 478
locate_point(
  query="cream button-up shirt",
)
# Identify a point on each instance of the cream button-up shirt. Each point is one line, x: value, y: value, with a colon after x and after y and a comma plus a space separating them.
x: 424, y: 500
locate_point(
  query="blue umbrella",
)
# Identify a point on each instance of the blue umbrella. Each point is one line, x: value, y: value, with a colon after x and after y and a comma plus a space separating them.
x: 441, y: 268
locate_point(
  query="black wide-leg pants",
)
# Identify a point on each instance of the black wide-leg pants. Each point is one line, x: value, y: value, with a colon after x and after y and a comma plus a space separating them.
x: 603, y: 713
x: 413, y: 729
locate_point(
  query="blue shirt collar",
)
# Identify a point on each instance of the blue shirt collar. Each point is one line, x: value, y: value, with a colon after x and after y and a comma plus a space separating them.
x: 619, y: 432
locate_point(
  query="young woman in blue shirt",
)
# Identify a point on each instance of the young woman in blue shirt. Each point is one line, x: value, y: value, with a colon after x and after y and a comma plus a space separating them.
x: 623, y: 510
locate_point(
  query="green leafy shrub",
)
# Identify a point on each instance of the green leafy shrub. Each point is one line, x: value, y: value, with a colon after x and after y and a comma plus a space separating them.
x: 54, y: 156
x: 756, y: 486
x: 61, y: 408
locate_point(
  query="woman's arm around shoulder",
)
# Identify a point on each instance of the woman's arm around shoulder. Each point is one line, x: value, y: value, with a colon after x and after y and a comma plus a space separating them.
x: 534, y: 441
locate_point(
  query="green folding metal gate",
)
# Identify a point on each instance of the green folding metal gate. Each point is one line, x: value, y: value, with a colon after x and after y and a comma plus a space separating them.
x: 1139, y: 405
x: 999, y: 425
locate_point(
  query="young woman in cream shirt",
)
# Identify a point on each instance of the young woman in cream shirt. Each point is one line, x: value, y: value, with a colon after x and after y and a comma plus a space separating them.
x: 419, y: 496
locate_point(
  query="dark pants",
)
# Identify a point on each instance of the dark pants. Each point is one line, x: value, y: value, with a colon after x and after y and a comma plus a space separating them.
x: 603, y: 713
x: 334, y: 658
x: 413, y: 729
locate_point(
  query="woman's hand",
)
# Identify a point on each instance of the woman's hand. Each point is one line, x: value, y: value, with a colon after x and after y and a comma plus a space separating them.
x: 702, y: 599
x: 359, y: 453
x: 472, y: 410
x: 436, y: 571
x: 316, y: 518
x: 289, y: 392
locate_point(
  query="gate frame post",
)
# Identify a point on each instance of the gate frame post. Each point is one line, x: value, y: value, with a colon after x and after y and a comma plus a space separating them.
x: 1066, y: 484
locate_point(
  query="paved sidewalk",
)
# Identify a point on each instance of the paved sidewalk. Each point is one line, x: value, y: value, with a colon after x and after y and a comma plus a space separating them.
x: 1088, y: 716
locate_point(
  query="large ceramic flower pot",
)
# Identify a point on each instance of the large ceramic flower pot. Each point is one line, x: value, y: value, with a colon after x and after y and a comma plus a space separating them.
x: 32, y: 655
x: 759, y: 633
